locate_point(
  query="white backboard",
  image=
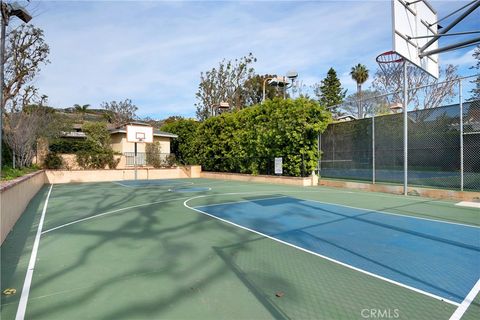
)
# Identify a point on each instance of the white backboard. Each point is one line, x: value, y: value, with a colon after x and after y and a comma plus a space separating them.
x: 142, y: 134
x: 414, y: 20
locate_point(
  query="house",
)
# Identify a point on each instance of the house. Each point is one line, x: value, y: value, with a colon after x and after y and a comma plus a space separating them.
x: 124, y: 149
x: 120, y: 144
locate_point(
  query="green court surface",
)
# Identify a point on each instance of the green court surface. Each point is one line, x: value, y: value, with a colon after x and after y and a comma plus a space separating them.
x: 139, y: 251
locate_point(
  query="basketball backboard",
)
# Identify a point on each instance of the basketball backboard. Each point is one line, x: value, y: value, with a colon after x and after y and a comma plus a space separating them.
x: 136, y: 133
x: 411, y: 20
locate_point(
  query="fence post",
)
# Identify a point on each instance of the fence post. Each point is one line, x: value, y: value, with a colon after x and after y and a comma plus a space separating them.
x: 460, y: 97
x: 373, y: 148
x: 319, y: 137
x: 405, y: 130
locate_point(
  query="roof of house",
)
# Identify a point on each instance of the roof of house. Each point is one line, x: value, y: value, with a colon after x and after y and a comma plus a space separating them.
x: 156, y: 133
x: 120, y: 129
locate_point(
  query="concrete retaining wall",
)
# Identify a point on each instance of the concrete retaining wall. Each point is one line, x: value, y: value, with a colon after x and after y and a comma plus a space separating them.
x: 295, y: 181
x: 71, y: 176
x: 14, y: 198
x: 423, y: 192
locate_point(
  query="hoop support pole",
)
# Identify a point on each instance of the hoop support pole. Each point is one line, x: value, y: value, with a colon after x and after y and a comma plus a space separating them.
x: 405, y: 130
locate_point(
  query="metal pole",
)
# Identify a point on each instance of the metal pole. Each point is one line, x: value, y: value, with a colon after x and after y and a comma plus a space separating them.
x: 135, y: 161
x: 405, y: 130
x: 4, y: 18
x: 460, y: 97
x: 319, y: 154
x: 373, y: 148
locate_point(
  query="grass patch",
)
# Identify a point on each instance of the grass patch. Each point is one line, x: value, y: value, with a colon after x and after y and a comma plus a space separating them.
x: 9, y: 173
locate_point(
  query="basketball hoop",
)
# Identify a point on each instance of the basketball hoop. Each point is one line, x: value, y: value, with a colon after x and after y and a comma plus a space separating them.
x: 391, y: 63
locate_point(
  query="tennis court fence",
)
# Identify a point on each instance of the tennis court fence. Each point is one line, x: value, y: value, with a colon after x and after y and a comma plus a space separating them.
x: 443, y: 139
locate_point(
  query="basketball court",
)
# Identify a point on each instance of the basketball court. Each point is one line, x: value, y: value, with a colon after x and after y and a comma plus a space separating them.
x: 218, y: 249
x: 223, y: 249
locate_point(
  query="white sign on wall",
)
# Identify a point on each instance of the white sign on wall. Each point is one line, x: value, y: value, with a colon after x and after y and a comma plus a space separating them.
x: 279, y: 165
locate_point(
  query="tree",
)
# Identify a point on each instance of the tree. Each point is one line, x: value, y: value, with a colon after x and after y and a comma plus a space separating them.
x: 373, y: 103
x: 226, y: 83
x: 82, y: 109
x: 24, y: 128
x: 97, y: 152
x: 476, y: 90
x: 26, y: 51
x: 184, y: 146
x: 120, y: 112
x: 330, y: 92
x: 423, y: 93
x: 359, y: 73
x: 254, y: 89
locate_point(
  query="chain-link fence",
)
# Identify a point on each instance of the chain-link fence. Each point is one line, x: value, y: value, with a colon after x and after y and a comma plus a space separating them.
x: 443, y: 142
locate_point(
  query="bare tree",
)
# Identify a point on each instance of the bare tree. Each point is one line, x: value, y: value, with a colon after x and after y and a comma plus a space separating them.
x: 226, y: 83
x: 420, y: 95
x: 25, y: 53
x: 120, y: 112
x: 24, y: 128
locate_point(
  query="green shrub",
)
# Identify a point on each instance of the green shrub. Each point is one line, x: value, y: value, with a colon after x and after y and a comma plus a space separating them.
x: 64, y: 145
x: 153, y: 151
x: 98, y: 153
x: 53, y: 161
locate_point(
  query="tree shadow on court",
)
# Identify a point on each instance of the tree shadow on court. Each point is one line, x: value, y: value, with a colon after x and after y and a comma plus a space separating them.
x: 17, y: 246
x: 176, y: 255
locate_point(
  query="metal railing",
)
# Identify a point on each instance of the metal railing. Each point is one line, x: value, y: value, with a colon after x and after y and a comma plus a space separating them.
x: 144, y: 159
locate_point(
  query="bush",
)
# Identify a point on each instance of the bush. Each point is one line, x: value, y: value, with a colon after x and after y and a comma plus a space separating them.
x: 53, y: 161
x: 63, y: 145
x: 152, y: 151
x: 97, y: 153
x: 92, y: 159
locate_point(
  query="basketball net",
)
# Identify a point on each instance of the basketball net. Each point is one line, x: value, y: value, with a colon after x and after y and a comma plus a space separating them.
x: 391, y: 64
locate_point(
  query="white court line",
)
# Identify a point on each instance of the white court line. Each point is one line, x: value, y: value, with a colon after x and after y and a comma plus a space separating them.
x: 187, y: 183
x: 109, y: 212
x: 325, y: 257
x: 457, y: 315
x: 340, y: 205
x: 22, y: 304
x: 396, y: 214
x: 241, y: 201
x: 468, y: 204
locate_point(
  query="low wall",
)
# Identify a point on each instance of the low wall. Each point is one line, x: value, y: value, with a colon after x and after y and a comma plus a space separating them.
x: 14, y: 198
x: 295, y: 181
x: 69, y: 176
x: 419, y: 191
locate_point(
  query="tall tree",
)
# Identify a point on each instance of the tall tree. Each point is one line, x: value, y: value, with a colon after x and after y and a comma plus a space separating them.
x: 225, y: 83
x: 25, y: 53
x: 359, y: 73
x: 476, y: 90
x: 330, y: 92
x: 120, y: 112
x: 423, y: 93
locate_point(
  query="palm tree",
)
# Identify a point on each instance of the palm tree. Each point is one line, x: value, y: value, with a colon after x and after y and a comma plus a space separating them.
x: 359, y: 73
x: 81, y: 109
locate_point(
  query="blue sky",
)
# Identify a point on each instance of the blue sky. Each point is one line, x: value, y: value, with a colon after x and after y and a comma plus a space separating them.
x: 153, y: 51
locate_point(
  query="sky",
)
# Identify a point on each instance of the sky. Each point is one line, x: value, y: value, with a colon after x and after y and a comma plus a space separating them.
x: 153, y: 52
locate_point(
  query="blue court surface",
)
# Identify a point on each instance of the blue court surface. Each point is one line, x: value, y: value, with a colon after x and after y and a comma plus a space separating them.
x: 437, y: 258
